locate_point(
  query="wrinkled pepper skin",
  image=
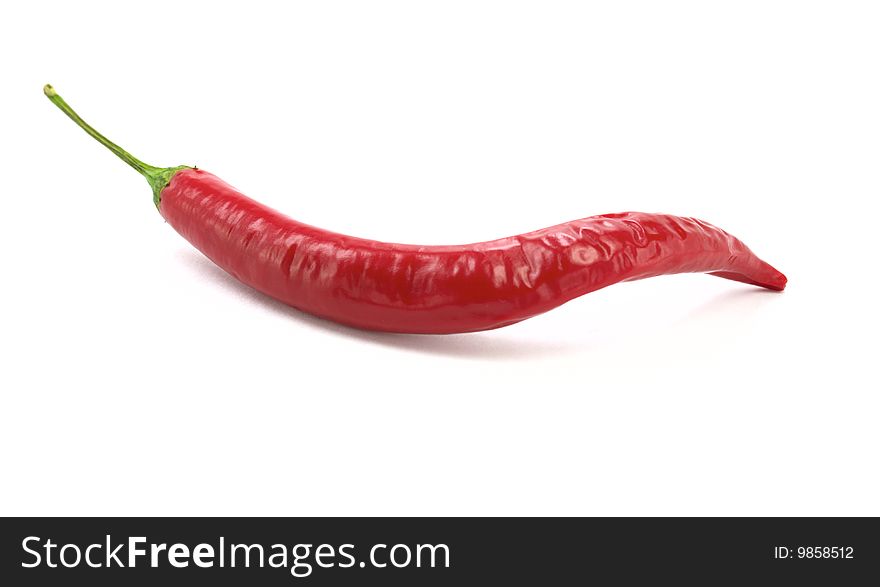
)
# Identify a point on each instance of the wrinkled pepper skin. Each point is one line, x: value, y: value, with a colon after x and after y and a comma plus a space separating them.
x: 443, y: 289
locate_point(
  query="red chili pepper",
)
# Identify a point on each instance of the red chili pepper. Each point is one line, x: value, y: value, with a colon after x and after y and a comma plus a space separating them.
x: 431, y: 289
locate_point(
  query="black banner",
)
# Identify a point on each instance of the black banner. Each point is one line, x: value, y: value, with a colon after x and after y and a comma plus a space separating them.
x: 436, y: 551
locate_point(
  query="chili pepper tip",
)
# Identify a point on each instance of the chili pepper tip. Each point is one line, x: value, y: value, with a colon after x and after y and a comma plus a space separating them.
x: 49, y: 90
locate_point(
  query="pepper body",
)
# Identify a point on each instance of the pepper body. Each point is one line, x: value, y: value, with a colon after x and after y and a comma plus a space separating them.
x: 442, y: 289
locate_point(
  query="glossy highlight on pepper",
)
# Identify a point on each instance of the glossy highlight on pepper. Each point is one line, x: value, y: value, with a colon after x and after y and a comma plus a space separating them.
x: 432, y: 289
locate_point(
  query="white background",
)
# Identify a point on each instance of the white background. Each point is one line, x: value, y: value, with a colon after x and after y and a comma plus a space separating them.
x: 137, y: 378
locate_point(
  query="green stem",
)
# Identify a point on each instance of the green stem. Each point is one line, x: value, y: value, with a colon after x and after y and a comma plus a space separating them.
x: 157, y: 177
